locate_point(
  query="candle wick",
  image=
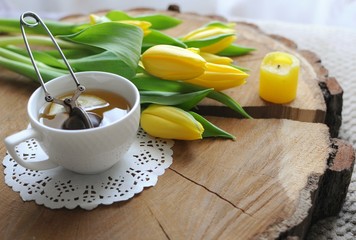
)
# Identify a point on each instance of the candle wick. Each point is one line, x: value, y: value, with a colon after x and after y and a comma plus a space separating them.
x: 278, y: 66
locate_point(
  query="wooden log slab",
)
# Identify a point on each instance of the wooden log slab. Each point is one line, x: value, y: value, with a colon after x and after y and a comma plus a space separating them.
x: 285, y: 170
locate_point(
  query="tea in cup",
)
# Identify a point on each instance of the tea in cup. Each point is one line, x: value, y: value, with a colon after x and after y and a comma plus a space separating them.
x: 86, y: 151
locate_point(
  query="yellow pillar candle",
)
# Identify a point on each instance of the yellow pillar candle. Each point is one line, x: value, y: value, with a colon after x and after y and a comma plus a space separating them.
x: 279, y: 77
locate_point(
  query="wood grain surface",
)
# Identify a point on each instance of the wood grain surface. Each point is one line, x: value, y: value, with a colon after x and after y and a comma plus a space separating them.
x: 278, y: 177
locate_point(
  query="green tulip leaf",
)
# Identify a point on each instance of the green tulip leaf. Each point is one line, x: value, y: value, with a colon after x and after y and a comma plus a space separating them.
x: 199, y: 43
x: 211, y: 130
x: 156, y: 37
x: 229, y: 102
x: 48, y: 59
x: 235, y: 50
x: 184, y: 101
x: 105, y: 62
x: 160, y: 21
x: 118, y: 16
x: 71, y: 53
x: 123, y: 40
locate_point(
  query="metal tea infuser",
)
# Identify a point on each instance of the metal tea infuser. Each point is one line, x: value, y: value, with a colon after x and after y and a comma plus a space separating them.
x: 78, y: 117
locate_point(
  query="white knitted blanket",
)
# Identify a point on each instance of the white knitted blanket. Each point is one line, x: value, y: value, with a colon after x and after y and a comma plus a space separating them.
x: 337, y: 49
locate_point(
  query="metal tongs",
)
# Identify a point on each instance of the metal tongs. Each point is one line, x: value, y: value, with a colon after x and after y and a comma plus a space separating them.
x: 76, y: 113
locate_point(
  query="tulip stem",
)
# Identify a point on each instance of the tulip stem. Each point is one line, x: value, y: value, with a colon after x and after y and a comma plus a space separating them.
x: 37, y: 40
x: 27, y: 69
x: 56, y: 27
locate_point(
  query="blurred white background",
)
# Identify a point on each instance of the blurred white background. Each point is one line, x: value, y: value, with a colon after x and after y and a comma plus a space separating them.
x: 341, y: 13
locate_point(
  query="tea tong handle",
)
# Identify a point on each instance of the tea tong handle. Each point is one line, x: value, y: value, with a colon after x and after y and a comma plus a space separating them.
x: 48, y: 96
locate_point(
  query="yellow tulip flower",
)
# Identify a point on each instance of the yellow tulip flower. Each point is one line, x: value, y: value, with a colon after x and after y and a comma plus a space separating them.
x: 212, y: 31
x: 172, y: 63
x: 170, y: 123
x: 220, y: 77
x: 212, y: 58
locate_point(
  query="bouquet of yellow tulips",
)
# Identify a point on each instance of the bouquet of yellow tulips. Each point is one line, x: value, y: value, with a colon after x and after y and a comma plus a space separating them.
x: 172, y: 74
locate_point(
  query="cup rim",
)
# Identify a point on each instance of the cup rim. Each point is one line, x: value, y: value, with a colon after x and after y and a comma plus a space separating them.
x: 133, y: 109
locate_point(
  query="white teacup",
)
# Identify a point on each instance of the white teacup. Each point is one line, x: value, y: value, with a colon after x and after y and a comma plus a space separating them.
x: 85, y: 151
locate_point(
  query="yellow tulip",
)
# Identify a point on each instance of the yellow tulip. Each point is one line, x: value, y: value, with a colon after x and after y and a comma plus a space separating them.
x: 170, y: 123
x: 144, y: 25
x: 220, y: 77
x: 194, y: 50
x: 172, y: 63
x: 212, y: 58
x: 212, y: 31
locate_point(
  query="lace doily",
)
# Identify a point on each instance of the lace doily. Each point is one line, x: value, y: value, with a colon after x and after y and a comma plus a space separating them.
x: 57, y: 188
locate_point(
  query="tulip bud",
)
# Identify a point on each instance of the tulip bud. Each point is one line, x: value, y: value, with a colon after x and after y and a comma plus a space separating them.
x: 212, y: 58
x: 212, y: 31
x: 172, y: 63
x: 220, y: 77
x: 170, y: 123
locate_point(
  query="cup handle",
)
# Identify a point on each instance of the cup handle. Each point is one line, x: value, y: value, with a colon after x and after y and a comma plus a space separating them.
x: 12, y: 141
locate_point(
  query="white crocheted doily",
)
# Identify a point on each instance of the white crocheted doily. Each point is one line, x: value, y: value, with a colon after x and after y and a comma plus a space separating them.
x: 147, y: 159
